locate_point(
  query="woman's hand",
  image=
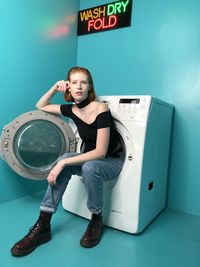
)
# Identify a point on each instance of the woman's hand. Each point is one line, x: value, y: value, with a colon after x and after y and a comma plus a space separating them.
x: 61, y: 86
x: 44, y: 102
x: 54, y: 173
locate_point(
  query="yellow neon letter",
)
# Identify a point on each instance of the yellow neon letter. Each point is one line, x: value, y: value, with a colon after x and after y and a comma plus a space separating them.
x: 84, y: 15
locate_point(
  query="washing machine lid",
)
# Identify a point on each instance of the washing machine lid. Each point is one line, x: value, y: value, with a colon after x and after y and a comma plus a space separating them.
x: 33, y: 142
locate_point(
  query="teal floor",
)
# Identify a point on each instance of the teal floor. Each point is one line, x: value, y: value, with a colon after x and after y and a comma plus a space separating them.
x: 172, y: 240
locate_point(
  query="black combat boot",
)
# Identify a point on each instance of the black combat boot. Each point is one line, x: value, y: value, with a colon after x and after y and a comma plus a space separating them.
x: 38, y: 234
x: 93, y: 233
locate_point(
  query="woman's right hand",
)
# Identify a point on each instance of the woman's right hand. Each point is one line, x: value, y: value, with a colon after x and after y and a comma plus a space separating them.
x: 44, y: 102
x: 61, y: 86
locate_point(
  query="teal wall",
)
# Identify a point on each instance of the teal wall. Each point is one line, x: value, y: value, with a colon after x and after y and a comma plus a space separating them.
x: 158, y: 55
x: 38, y: 45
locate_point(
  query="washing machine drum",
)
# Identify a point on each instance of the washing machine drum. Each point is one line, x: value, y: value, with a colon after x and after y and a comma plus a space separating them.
x: 33, y: 142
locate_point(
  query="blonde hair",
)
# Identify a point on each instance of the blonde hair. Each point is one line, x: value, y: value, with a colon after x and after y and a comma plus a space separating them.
x: 91, y: 94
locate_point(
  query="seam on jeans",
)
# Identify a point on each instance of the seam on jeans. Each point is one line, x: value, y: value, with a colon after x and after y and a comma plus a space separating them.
x: 52, y: 197
x: 44, y: 208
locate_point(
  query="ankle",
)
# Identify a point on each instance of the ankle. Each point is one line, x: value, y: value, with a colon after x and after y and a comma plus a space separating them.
x: 45, y: 217
x: 97, y: 217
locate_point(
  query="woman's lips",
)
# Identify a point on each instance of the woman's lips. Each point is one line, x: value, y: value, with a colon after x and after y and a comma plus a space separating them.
x: 79, y: 93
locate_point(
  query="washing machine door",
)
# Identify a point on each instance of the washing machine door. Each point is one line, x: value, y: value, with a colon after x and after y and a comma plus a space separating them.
x: 32, y: 143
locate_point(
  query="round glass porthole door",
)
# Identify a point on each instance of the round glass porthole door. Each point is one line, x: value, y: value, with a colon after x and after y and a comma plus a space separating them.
x: 32, y: 143
x: 38, y: 144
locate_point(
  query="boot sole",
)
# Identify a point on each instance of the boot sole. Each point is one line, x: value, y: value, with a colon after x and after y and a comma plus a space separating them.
x: 21, y: 253
x: 91, y: 244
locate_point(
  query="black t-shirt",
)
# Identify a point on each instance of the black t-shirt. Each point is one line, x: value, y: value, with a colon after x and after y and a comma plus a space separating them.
x: 88, y: 132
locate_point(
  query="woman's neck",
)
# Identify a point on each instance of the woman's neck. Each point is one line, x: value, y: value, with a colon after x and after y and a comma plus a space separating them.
x: 83, y: 103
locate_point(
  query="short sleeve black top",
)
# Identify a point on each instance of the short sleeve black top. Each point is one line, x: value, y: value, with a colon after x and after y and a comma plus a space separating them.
x: 88, y: 132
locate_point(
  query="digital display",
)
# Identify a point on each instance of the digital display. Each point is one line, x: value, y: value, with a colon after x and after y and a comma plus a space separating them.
x: 129, y: 101
x: 105, y: 17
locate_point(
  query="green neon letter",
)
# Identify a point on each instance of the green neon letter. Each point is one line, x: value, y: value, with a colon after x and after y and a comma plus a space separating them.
x: 125, y: 5
x: 110, y: 10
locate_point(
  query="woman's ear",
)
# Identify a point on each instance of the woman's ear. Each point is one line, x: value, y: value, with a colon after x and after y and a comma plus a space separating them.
x: 67, y: 84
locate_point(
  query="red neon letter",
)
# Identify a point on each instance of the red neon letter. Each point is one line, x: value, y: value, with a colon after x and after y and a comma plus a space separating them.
x: 90, y: 24
x: 104, y: 26
x: 112, y: 21
x: 96, y: 26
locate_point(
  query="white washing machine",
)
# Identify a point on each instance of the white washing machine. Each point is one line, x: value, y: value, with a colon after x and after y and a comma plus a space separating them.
x: 32, y: 143
x: 138, y: 195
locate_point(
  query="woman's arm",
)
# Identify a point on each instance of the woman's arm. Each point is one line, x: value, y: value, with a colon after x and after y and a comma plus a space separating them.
x: 103, y: 137
x: 102, y: 142
x: 44, y: 102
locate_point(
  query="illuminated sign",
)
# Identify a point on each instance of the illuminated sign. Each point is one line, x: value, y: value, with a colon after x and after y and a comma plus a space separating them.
x: 105, y: 17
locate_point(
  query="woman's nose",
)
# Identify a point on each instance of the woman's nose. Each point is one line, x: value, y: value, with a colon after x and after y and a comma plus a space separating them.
x: 79, y: 85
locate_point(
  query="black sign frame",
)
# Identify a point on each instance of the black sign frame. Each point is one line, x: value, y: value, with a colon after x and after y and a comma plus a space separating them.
x: 105, y: 17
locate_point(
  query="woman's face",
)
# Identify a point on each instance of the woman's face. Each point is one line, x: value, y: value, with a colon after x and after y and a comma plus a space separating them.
x: 79, y: 86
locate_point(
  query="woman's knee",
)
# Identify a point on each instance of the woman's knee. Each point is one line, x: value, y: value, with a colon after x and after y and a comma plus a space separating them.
x: 90, y: 168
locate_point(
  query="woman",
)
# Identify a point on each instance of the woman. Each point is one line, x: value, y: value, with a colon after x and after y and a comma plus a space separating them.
x: 101, y: 160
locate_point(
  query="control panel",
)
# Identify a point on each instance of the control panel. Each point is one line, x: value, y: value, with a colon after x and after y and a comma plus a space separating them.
x: 129, y: 107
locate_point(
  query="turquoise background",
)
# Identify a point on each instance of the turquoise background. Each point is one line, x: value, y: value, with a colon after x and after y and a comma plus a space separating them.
x: 158, y: 55
x: 38, y: 45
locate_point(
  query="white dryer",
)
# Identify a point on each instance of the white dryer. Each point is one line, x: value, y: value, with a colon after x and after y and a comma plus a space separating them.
x: 138, y: 195
x: 32, y: 143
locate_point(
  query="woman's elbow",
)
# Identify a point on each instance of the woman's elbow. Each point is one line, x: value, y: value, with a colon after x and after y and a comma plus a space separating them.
x: 102, y: 154
x: 37, y: 107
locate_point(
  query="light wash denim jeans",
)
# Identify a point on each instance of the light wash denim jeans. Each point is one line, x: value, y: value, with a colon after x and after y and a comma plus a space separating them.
x: 93, y: 172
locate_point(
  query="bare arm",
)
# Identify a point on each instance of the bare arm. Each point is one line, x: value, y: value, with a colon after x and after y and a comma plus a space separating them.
x: 102, y: 142
x: 44, y: 102
x: 99, y: 152
x: 103, y: 137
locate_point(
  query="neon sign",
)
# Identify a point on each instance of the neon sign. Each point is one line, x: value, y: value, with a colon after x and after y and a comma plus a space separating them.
x: 105, y: 17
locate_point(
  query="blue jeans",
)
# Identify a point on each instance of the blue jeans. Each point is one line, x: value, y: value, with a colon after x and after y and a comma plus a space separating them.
x: 93, y: 172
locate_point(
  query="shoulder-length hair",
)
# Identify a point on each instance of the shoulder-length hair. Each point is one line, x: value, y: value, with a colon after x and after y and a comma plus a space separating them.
x: 91, y: 94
